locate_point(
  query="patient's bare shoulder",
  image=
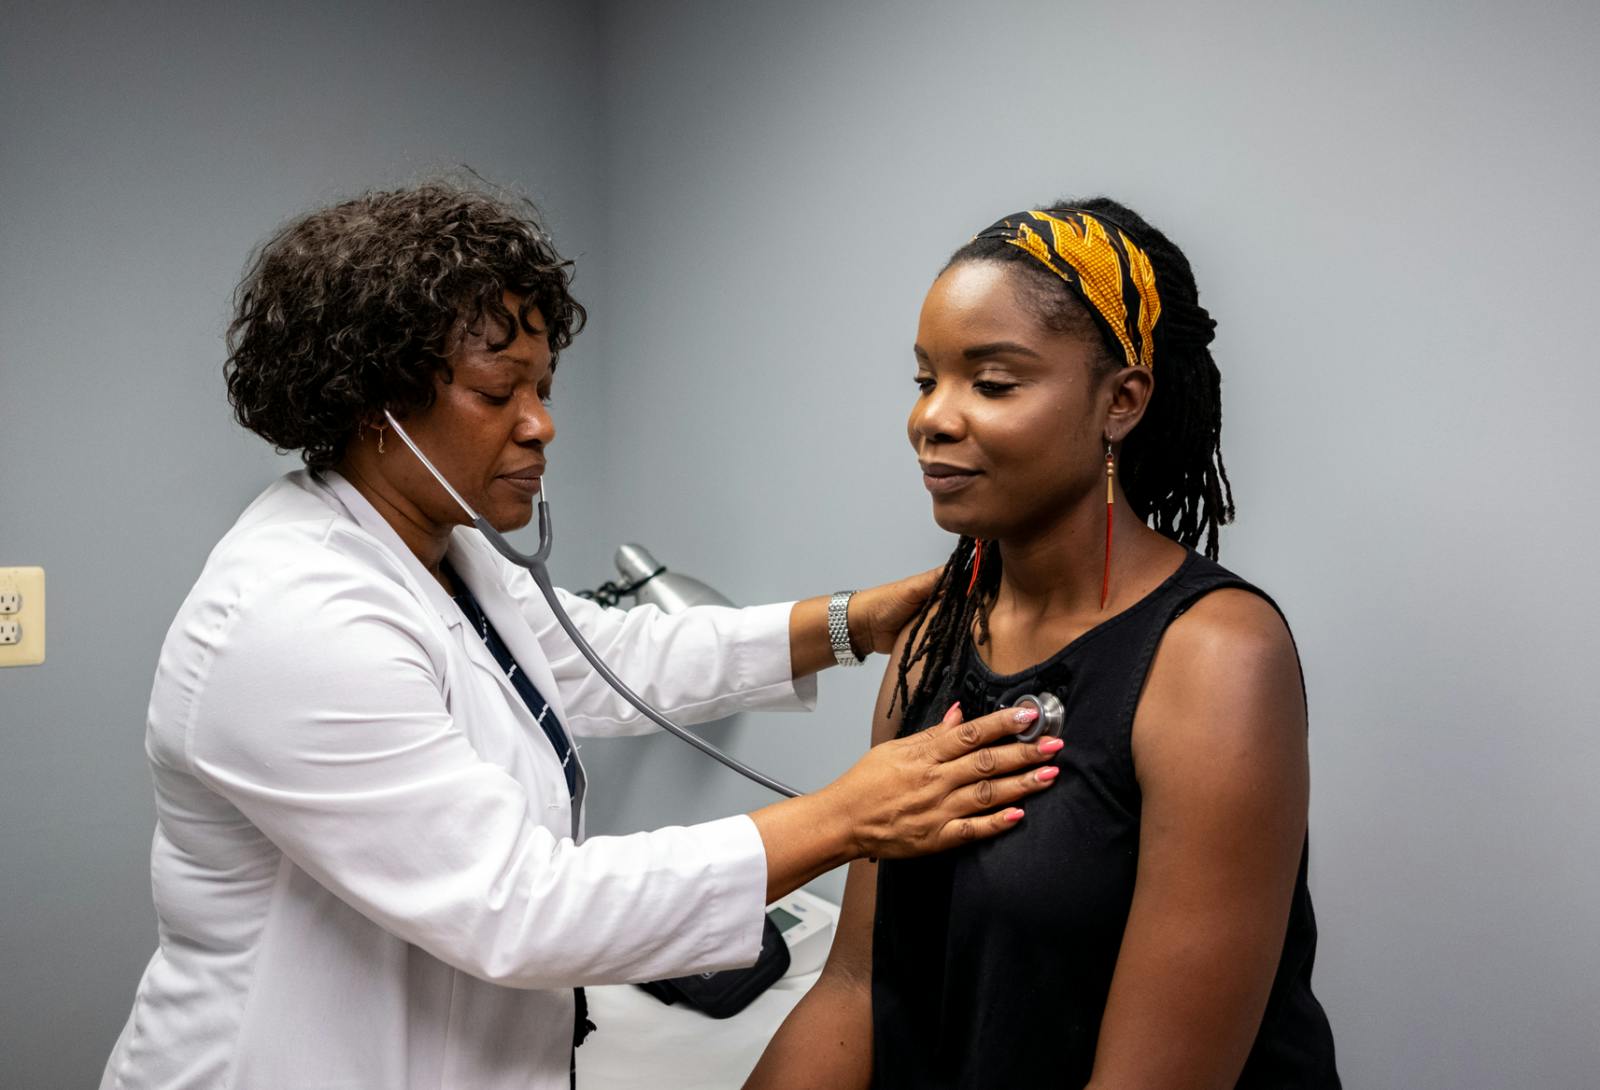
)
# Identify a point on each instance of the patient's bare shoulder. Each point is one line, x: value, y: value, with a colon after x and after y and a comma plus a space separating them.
x: 1225, y: 676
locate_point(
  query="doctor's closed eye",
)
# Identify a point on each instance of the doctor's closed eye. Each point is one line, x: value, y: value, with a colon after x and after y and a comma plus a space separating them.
x: 496, y: 398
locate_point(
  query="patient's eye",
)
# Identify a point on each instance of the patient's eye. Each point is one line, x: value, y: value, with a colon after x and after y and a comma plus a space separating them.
x: 991, y: 388
x: 924, y: 382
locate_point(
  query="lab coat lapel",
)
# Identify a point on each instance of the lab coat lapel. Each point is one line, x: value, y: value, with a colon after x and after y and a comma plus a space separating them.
x: 475, y: 562
x: 423, y: 585
x: 429, y: 589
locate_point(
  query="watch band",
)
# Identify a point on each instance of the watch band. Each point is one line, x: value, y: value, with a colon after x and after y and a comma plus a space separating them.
x: 839, y: 629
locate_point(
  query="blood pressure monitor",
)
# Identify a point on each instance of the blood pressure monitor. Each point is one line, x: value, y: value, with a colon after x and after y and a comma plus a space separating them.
x: 806, y: 923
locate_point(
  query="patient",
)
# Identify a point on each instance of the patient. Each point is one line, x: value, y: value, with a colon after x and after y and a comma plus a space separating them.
x: 1148, y: 925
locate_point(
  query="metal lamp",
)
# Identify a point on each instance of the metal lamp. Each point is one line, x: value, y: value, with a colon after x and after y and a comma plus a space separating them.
x: 648, y: 580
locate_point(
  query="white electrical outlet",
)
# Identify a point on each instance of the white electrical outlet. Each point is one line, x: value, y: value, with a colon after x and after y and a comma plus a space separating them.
x: 21, y: 616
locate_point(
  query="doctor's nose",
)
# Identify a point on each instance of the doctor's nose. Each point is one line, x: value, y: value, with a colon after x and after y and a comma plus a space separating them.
x: 535, y: 426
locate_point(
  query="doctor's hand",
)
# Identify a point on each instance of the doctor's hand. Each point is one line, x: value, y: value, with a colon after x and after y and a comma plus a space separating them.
x: 878, y: 614
x: 944, y: 786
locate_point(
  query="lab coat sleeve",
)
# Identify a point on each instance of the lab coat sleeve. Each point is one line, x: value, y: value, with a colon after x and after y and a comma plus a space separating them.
x: 317, y: 709
x: 698, y: 665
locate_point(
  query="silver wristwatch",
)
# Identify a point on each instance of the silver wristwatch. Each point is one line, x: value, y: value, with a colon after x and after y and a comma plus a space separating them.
x: 839, y: 629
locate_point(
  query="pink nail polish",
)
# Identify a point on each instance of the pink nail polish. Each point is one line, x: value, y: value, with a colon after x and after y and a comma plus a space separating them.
x: 1046, y: 774
x: 1014, y: 815
x: 1026, y: 715
x: 1051, y: 745
x: 954, y: 708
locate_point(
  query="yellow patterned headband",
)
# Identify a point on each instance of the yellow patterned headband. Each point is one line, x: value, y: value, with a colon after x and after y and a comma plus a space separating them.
x: 1100, y: 263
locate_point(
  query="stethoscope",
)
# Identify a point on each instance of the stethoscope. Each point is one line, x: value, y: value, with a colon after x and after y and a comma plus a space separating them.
x: 1049, y: 721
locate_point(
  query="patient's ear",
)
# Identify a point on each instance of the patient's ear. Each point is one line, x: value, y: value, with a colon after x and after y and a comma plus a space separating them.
x: 1130, y: 390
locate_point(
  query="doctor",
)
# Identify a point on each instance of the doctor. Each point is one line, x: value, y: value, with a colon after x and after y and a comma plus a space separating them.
x: 368, y: 868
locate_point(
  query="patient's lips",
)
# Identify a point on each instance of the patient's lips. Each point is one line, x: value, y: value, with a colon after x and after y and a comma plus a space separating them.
x: 941, y: 478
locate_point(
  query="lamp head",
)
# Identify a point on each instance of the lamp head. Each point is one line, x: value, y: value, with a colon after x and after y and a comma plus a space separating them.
x: 670, y: 591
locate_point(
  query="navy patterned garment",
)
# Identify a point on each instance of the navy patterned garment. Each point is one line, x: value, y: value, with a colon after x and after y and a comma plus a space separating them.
x: 540, y: 707
x: 530, y: 695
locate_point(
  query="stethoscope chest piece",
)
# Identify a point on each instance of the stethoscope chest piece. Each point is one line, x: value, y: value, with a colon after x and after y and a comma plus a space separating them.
x: 1052, y: 716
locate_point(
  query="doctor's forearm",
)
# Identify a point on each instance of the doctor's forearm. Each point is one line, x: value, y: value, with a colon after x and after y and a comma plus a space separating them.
x: 804, y: 838
x: 875, y: 617
x: 810, y: 649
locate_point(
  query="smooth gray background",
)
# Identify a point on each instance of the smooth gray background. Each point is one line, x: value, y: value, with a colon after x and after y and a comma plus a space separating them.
x: 1390, y: 209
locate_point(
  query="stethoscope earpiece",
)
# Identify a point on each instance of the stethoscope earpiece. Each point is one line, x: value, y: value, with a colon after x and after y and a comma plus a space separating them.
x: 1052, y: 716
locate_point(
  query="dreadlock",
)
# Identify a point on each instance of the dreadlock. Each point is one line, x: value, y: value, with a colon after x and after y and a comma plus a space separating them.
x: 1171, y: 466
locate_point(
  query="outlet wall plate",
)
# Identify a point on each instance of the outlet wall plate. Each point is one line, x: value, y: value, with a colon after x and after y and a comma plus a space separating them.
x: 22, y: 606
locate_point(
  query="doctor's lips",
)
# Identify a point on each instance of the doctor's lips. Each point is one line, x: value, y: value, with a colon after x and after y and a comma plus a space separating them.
x: 942, y: 477
x: 525, y: 480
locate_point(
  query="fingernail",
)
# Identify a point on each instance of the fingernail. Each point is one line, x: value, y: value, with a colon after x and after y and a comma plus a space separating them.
x: 1045, y: 775
x: 1026, y: 715
x: 954, y: 708
x: 1013, y: 815
x: 1051, y: 745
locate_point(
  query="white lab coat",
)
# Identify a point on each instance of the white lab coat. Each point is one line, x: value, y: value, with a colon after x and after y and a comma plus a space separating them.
x: 364, y: 868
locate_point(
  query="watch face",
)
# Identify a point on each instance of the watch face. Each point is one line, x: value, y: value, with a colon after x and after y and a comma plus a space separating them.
x: 784, y: 920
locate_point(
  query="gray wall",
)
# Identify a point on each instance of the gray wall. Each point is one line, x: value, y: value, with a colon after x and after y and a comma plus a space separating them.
x: 147, y: 148
x: 1390, y: 212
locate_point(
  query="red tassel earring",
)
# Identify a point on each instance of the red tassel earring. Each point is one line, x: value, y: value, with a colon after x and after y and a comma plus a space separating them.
x: 977, y: 561
x: 1111, y: 500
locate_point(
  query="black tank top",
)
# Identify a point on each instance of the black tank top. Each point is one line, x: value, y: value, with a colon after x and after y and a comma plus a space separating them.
x: 965, y: 994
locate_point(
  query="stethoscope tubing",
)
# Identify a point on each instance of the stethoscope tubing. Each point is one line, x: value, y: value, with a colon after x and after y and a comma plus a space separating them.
x: 534, y: 564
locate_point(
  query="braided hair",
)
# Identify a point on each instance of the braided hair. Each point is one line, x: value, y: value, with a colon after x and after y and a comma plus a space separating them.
x: 1171, y: 464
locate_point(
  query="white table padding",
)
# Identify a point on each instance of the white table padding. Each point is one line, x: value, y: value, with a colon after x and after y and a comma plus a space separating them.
x: 640, y: 1043
x: 643, y: 1044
